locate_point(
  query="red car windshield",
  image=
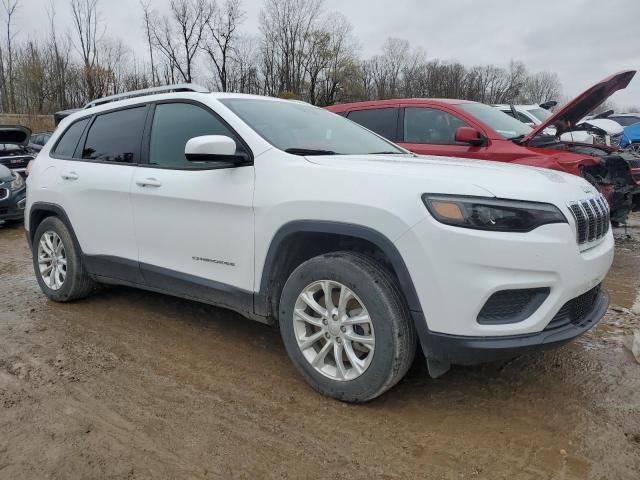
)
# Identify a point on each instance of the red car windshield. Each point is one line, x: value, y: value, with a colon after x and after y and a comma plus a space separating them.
x: 507, y: 126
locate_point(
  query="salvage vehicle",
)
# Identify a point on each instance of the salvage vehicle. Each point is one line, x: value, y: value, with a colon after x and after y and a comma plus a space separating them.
x: 289, y: 214
x: 600, y: 131
x: 14, y: 151
x: 38, y: 140
x: 12, y: 195
x: 460, y: 128
x: 631, y: 123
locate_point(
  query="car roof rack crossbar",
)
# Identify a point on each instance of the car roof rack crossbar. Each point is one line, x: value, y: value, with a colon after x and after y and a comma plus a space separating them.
x: 180, y: 87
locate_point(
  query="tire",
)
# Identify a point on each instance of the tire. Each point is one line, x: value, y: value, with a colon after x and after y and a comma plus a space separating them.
x: 390, y: 346
x: 76, y: 283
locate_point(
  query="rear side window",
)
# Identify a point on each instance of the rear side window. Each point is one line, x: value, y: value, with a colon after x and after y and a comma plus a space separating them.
x: 70, y: 138
x: 116, y: 136
x: 383, y: 121
x: 176, y: 123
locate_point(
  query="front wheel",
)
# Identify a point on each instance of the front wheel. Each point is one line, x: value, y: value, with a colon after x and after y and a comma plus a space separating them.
x: 346, y: 327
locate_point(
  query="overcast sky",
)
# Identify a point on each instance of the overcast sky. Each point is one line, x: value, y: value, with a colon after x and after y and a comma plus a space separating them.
x: 582, y: 40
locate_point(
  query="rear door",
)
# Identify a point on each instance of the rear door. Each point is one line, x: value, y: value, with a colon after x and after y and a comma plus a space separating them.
x: 95, y: 162
x: 194, y: 224
x: 382, y: 120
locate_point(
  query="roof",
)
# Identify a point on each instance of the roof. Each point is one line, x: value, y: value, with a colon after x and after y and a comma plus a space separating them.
x: 395, y: 101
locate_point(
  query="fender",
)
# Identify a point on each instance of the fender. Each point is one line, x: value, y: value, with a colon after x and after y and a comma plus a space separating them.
x: 58, y: 211
x: 261, y: 302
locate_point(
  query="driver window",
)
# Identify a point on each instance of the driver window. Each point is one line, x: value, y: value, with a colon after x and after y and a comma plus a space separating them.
x: 174, y: 124
x: 431, y: 126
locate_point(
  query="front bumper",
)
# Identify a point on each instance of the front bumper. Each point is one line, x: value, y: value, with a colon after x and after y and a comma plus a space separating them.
x: 464, y: 350
x: 12, y: 207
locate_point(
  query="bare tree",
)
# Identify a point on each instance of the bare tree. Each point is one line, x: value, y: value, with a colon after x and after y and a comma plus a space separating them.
x: 286, y: 26
x: 221, y: 42
x: 86, y: 23
x: 179, y: 36
x: 541, y: 87
x: 147, y: 16
x: 7, y: 60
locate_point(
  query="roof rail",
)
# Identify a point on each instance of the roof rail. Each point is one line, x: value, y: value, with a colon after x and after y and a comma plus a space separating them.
x: 180, y: 87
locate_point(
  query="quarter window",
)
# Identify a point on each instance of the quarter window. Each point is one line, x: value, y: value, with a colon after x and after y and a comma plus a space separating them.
x: 383, y: 121
x: 116, y: 136
x: 176, y: 123
x: 430, y: 126
x: 68, y: 142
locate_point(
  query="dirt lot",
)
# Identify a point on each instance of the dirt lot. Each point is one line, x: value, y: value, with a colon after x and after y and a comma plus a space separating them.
x: 130, y: 384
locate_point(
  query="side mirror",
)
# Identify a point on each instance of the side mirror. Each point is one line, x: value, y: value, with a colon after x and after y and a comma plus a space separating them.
x: 212, y: 148
x: 469, y: 135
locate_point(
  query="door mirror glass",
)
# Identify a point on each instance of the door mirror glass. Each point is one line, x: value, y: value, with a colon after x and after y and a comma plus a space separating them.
x: 211, y: 148
x: 469, y: 135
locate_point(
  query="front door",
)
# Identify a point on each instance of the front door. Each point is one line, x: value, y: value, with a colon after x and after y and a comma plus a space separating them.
x: 194, y: 225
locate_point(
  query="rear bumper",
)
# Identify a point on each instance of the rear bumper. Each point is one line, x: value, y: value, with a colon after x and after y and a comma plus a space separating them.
x: 464, y: 350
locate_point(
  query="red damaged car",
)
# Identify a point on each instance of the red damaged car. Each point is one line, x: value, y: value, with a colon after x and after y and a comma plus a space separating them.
x: 459, y: 128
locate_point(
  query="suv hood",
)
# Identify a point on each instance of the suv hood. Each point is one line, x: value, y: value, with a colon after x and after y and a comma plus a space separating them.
x: 14, y: 134
x: 435, y: 174
x: 582, y: 105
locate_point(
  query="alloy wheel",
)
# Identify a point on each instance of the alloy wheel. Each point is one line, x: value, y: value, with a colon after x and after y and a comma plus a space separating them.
x: 333, y: 330
x: 52, y: 260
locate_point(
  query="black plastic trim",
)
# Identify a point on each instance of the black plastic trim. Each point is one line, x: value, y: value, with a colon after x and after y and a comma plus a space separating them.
x: 122, y: 271
x: 536, y: 297
x: 56, y: 210
x: 261, y: 303
x: 464, y: 350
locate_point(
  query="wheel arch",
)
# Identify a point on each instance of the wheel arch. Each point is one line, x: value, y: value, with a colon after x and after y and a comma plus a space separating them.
x: 297, y: 241
x: 39, y: 211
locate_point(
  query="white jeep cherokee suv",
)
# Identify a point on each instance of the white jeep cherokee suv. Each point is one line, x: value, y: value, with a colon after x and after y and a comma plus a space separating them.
x: 287, y: 213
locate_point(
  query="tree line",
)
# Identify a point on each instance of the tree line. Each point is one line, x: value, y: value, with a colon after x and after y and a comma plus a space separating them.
x: 301, y: 51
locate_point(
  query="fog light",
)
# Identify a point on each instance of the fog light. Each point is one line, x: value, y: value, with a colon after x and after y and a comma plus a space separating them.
x: 22, y: 203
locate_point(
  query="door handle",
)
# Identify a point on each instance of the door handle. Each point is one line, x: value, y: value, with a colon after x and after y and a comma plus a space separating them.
x: 70, y: 176
x: 149, y: 182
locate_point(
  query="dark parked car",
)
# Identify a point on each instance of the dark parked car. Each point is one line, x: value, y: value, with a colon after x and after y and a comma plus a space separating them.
x: 37, y: 140
x: 15, y: 153
x: 13, y: 195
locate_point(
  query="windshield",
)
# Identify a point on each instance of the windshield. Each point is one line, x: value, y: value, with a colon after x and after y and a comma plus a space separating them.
x: 305, y: 130
x: 540, y: 113
x: 507, y: 126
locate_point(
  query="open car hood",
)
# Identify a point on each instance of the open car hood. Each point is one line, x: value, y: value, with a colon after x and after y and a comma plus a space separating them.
x: 582, y: 105
x: 14, y: 134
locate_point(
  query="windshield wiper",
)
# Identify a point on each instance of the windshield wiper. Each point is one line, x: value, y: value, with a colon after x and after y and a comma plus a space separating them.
x: 309, y: 151
x: 386, y: 153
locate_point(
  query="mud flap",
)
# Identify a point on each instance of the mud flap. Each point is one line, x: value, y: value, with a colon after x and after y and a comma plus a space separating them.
x: 437, y: 368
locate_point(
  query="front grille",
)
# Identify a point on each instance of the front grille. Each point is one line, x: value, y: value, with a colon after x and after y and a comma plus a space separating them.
x: 511, y: 306
x: 575, y: 311
x: 592, y: 219
x: 4, y: 211
x: 4, y: 193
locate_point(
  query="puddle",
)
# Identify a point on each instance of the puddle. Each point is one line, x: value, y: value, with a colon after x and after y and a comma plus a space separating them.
x: 623, y: 281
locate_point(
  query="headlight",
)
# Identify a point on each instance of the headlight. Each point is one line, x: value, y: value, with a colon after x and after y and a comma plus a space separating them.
x: 491, y: 214
x: 18, y: 181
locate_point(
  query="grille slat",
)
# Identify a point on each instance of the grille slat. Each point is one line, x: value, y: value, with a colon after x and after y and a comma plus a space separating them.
x: 575, y: 311
x: 592, y: 219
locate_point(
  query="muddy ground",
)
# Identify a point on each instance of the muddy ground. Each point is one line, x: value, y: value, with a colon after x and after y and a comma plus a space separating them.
x: 129, y: 384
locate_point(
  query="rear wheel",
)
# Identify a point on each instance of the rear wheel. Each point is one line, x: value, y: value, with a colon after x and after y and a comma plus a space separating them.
x: 346, y: 327
x: 57, y: 263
